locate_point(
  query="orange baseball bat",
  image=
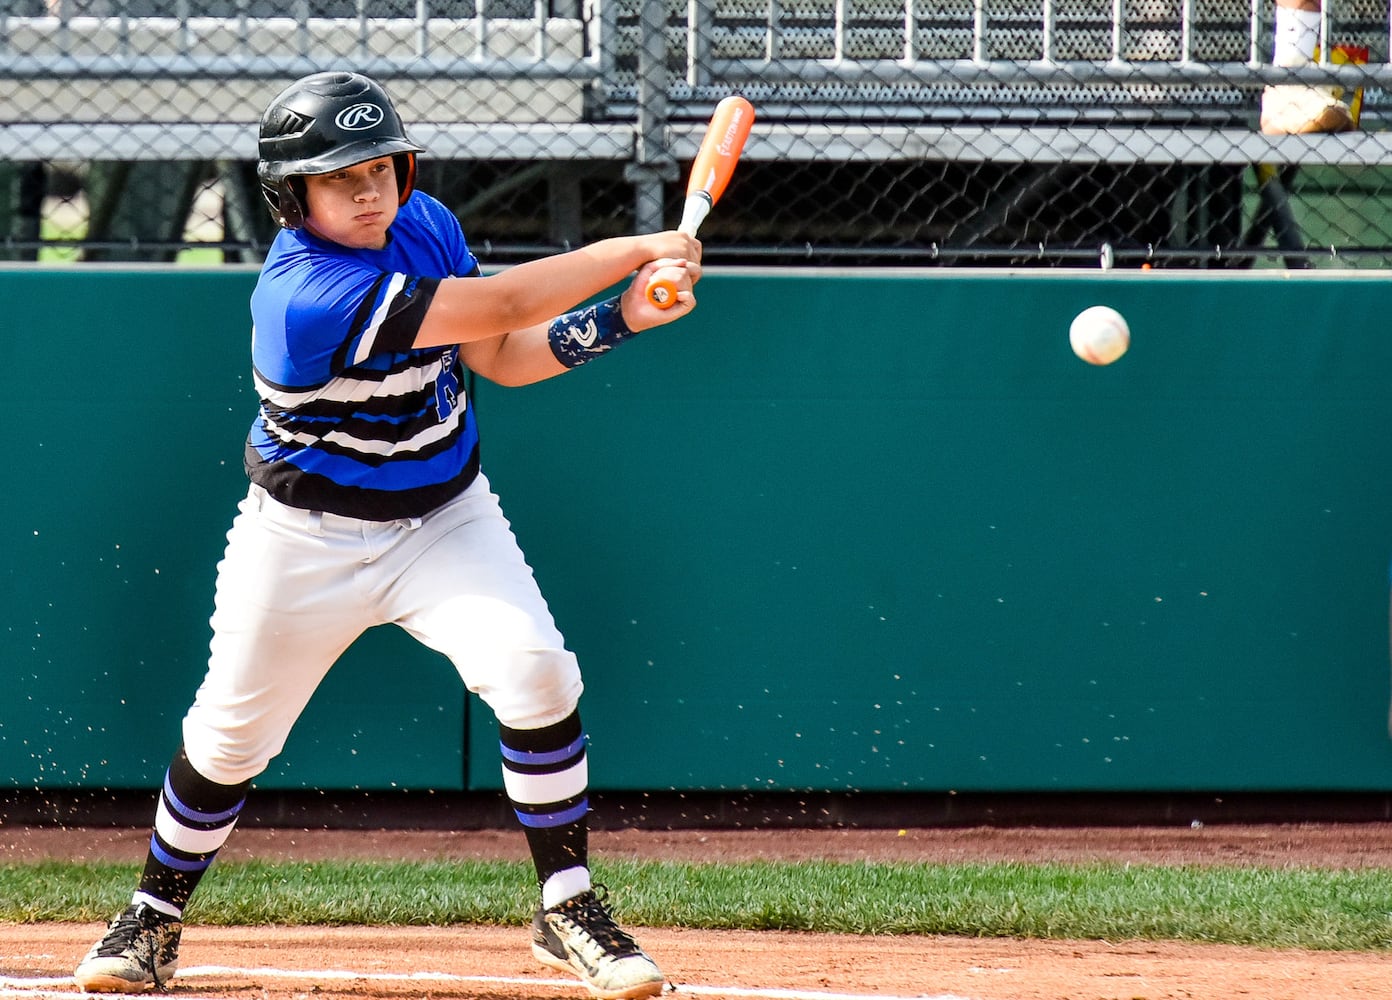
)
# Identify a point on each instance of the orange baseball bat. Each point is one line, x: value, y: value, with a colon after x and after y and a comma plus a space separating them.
x: 710, y: 173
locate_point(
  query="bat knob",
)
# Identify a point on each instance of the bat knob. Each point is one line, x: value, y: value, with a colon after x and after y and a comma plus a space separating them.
x: 662, y: 293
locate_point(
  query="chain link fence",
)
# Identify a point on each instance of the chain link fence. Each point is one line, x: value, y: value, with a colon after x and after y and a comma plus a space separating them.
x: 1002, y: 132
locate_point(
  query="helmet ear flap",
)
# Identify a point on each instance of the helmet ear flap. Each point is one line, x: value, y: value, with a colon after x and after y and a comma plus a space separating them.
x: 287, y: 201
x: 405, y: 164
x: 297, y: 194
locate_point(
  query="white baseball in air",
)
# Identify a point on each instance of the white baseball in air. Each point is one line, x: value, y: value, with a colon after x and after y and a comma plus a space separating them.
x: 1099, y: 335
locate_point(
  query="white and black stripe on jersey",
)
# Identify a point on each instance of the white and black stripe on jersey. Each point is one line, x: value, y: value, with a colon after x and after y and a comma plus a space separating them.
x: 353, y: 420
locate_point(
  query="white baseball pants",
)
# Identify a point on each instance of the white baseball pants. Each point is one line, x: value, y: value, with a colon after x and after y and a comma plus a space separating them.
x: 295, y: 588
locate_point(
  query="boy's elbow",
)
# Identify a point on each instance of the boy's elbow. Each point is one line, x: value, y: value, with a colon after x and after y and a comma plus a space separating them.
x: 509, y: 380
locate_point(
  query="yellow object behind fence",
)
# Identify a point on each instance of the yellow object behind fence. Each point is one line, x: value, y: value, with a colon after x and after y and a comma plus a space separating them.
x: 1341, y: 55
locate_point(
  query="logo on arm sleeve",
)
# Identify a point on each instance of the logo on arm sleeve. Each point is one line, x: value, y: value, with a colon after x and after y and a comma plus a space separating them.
x: 587, y: 335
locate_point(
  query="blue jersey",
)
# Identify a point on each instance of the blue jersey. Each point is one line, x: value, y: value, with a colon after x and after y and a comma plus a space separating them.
x: 353, y: 419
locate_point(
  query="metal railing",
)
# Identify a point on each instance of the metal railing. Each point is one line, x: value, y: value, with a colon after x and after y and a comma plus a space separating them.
x: 598, y: 86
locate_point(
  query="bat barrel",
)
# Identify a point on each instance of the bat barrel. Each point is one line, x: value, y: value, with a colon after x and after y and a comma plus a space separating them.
x: 710, y: 173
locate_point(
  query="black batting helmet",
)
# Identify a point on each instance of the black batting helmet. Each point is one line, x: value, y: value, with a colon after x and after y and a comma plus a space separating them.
x: 323, y: 123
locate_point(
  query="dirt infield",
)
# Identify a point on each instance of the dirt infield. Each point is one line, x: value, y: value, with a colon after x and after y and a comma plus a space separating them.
x: 493, y: 962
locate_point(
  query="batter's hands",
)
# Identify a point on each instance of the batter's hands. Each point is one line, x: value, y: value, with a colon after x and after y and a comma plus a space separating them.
x: 683, y: 273
x: 672, y: 243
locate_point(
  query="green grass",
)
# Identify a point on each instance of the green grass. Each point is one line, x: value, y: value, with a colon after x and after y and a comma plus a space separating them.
x: 192, y: 257
x: 1320, y: 909
x: 49, y: 230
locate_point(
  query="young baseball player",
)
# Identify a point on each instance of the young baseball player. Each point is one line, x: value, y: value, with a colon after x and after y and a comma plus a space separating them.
x: 367, y: 505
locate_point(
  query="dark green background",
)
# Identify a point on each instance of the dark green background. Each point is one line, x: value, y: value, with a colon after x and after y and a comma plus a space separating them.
x: 838, y: 530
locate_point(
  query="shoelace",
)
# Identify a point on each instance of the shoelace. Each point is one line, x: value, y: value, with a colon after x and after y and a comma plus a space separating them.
x: 587, y: 910
x: 128, y: 933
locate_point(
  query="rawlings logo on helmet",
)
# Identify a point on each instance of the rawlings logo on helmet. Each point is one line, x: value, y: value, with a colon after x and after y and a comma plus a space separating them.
x: 359, y: 117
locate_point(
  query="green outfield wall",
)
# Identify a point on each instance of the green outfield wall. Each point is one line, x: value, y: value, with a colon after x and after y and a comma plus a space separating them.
x: 839, y: 530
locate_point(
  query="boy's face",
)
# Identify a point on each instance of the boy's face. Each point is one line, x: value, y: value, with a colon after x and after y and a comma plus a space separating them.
x: 353, y: 206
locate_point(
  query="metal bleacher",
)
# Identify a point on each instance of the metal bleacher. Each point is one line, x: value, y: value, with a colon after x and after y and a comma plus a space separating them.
x: 1098, y: 79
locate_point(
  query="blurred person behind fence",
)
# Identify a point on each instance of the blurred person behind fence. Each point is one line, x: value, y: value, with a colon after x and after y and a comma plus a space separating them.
x: 1298, y: 109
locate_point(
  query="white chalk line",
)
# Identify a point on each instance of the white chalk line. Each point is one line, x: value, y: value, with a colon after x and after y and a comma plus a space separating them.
x: 40, y: 986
